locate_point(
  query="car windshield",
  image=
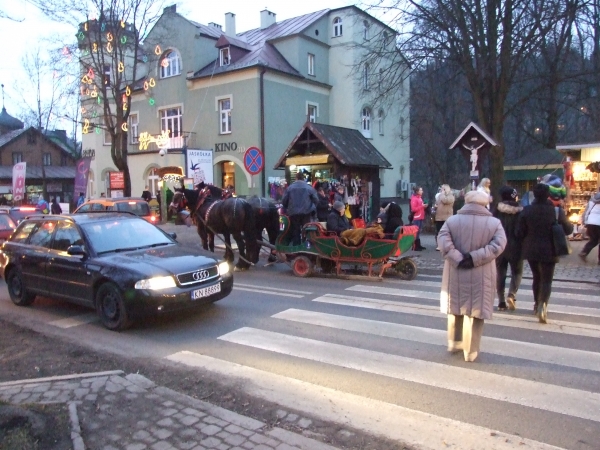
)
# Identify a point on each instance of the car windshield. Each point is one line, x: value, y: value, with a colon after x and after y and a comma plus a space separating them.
x: 124, y: 234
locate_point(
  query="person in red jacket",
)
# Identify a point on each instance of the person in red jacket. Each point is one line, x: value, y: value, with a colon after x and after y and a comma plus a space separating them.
x: 417, y: 207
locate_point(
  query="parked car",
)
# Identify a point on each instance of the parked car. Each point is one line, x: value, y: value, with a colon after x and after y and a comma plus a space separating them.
x: 18, y: 213
x: 136, y: 205
x: 7, y: 225
x: 117, y: 263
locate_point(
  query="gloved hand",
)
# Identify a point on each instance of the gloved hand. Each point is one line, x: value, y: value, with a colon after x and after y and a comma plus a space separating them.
x: 467, y: 262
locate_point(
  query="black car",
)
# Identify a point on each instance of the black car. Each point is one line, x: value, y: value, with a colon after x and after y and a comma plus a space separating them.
x: 117, y: 263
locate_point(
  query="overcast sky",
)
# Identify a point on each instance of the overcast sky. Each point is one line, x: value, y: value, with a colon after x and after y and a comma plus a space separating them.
x: 33, y: 28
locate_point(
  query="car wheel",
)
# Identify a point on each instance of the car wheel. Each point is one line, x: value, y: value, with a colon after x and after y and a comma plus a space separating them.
x: 19, y: 294
x: 111, y: 307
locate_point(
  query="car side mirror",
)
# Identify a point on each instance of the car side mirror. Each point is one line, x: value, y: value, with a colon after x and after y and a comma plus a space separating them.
x: 173, y: 235
x: 76, y: 250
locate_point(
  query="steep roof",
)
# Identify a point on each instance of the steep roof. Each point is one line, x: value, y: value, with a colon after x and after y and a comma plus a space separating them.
x: 52, y: 139
x: 206, y: 30
x: 346, y: 145
x: 8, y: 121
x: 288, y: 27
x: 65, y: 172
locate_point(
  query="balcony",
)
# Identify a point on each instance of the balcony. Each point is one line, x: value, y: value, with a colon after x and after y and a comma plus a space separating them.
x: 155, y: 142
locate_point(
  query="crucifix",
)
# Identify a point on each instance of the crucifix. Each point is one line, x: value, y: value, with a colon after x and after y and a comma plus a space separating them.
x: 474, y: 156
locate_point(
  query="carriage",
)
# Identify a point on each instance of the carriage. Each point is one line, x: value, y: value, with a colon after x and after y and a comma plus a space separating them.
x: 323, y: 252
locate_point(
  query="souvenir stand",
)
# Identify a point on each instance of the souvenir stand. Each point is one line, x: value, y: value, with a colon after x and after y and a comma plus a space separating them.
x: 329, y: 156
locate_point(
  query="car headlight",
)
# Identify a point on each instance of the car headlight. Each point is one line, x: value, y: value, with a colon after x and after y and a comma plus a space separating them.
x: 156, y: 283
x: 223, y: 268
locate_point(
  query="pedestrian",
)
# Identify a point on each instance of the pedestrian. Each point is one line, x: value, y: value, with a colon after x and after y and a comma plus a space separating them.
x: 418, y: 207
x: 382, y: 217
x: 322, y: 206
x: 42, y: 205
x: 591, y: 220
x: 470, y: 241
x: 81, y: 199
x: 146, y: 195
x: 300, y: 201
x: 394, y: 218
x: 337, y: 221
x: 507, y: 212
x: 55, y: 207
x: 485, y: 185
x: 340, y: 194
x: 444, y: 208
x: 534, y: 228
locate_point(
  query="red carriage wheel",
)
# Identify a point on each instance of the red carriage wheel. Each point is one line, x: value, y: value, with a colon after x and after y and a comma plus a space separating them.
x: 302, y: 266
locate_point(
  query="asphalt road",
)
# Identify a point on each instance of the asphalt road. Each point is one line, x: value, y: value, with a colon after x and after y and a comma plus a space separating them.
x: 373, y: 354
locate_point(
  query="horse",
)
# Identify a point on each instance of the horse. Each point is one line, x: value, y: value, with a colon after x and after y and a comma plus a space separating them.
x: 232, y: 216
x: 266, y: 214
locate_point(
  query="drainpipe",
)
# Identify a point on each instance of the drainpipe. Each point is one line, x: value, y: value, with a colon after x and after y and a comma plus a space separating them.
x: 262, y: 130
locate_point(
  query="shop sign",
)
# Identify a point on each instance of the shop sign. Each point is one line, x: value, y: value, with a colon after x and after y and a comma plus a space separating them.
x: 199, y: 165
x: 54, y: 187
x: 117, y: 180
x: 19, y: 180
x: 229, y: 147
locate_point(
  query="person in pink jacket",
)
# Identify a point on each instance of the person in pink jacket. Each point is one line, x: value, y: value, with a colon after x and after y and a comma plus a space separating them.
x: 417, y: 207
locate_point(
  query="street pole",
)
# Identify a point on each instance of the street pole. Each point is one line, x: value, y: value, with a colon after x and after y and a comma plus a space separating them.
x: 163, y: 202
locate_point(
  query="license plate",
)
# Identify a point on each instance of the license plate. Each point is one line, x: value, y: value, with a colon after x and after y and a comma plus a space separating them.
x: 207, y: 291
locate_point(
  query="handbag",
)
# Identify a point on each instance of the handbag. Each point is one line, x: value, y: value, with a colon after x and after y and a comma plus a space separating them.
x: 561, y: 245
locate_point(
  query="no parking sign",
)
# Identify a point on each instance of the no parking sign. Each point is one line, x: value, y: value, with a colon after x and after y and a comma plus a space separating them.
x: 254, y: 160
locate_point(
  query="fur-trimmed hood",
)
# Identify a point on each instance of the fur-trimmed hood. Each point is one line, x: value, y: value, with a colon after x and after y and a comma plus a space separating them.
x: 509, y: 207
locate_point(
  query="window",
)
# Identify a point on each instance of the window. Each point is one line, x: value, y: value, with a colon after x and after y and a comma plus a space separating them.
x: 133, y: 129
x: 402, y: 123
x: 107, y: 74
x: 17, y: 157
x: 225, y: 115
x: 66, y: 235
x: 366, y: 122
x: 380, y: 121
x: 365, y: 30
x: 107, y: 137
x: 170, y: 65
x: 337, y: 27
x: 366, y: 77
x: 380, y: 79
x: 311, y: 64
x: 47, y: 159
x: 312, y: 113
x: 42, y: 236
x: 225, y: 56
x: 170, y: 120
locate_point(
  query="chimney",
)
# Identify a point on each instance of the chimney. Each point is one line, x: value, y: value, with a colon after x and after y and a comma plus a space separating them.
x: 216, y: 25
x: 267, y: 18
x: 230, y: 24
x: 172, y: 8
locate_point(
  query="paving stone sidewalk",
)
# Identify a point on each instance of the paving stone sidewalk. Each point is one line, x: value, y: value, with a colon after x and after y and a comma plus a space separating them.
x: 114, y: 411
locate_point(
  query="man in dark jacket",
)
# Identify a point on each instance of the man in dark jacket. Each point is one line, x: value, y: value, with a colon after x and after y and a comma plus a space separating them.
x: 337, y: 220
x: 322, y: 206
x: 534, y: 228
x: 508, y: 212
x: 300, y: 201
x: 394, y: 218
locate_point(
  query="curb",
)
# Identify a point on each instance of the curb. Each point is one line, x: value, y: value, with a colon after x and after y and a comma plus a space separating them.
x: 62, y: 377
x: 78, y: 443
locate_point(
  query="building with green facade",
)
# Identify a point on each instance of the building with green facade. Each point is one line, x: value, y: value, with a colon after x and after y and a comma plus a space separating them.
x: 214, y: 89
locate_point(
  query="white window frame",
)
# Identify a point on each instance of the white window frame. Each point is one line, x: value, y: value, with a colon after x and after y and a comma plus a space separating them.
x: 17, y: 157
x: 380, y: 118
x: 311, y: 64
x: 174, y: 67
x: 224, y: 115
x: 314, y: 107
x: 134, y: 127
x: 337, y: 27
x: 365, y: 122
x: 171, y: 119
x: 366, y: 77
x: 47, y: 159
x: 225, y: 56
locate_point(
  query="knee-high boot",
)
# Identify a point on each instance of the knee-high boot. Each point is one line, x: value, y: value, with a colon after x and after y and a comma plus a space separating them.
x: 418, y: 246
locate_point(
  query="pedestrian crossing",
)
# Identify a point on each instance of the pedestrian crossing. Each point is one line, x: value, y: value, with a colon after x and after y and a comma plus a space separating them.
x: 373, y: 357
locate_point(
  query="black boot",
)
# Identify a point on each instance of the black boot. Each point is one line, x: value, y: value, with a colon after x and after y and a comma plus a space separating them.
x: 417, y: 245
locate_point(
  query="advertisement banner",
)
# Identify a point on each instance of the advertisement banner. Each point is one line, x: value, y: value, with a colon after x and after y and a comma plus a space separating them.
x: 19, y: 181
x: 81, y: 176
x: 199, y: 165
x: 117, y: 180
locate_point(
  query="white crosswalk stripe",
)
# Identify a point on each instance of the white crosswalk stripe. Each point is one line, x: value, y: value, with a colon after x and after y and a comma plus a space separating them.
x: 308, y: 336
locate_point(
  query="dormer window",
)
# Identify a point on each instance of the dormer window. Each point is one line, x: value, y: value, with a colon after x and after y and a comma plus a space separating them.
x: 170, y: 64
x: 225, y: 56
x: 337, y: 27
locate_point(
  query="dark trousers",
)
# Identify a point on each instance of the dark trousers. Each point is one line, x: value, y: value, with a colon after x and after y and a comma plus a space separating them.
x: 297, y: 221
x: 516, y: 275
x: 542, y: 272
x: 593, y: 232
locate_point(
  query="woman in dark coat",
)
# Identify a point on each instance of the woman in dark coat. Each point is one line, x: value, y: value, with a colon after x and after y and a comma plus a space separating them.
x: 55, y: 207
x: 322, y: 206
x: 534, y: 228
x: 394, y: 218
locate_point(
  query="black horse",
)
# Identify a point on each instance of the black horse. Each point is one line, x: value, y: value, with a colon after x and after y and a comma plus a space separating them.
x: 232, y: 216
x: 266, y: 215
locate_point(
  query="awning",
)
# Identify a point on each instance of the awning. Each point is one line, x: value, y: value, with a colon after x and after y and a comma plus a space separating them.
x: 530, y: 174
x: 308, y: 160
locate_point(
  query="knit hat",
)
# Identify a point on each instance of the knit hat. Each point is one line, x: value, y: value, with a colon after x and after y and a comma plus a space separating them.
x: 479, y: 197
x: 556, y: 187
x: 541, y: 191
x: 508, y: 193
x: 338, y: 206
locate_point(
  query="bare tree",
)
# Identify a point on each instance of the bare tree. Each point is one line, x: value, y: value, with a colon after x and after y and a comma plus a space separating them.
x: 488, y: 41
x: 112, y: 59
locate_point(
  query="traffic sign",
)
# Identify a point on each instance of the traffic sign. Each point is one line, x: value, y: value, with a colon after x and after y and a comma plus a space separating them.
x: 254, y: 160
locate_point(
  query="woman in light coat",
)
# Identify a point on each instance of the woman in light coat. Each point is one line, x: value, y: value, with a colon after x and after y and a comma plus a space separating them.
x: 470, y: 241
x: 444, y: 207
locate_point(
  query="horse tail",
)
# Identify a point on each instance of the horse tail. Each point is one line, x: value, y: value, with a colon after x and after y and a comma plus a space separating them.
x: 251, y: 236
